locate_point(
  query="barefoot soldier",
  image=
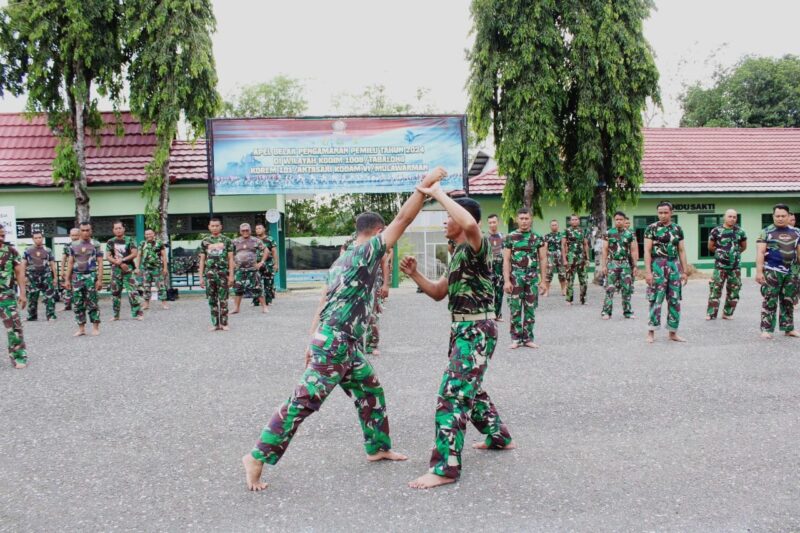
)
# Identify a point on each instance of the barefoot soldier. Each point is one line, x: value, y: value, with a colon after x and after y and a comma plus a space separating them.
x: 152, y: 265
x: 271, y: 265
x: 524, y: 258
x: 85, y: 278
x: 665, y: 271
x: 575, y: 256
x: 40, y: 267
x: 727, y: 242
x: 334, y: 356
x: 121, y: 252
x: 618, y: 265
x: 496, y: 241
x: 249, y: 256
x: 778, y: 249
x: 12, y: 275
x: 554, y: 262
x: 216, y: 272
x: 66, y: 294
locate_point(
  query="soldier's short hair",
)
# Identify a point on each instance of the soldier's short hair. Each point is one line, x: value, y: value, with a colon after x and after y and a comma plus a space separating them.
x: 664, y: 203
x: 574, y: 215
x: 214, y: 219
x: 523, y: 211
x: 781, y: 206
x: 492, y: 216
x: 473, y: 207
x: 369, y: 221
x: 621, y: 214
x: 35, y: 233
x: 85, y: 223
x: 554, y: 220
x: 150, y: 229
x: 121, y: 223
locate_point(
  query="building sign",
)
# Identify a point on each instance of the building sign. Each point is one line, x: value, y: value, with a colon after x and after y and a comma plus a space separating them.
x: 334, y: 154
x: 694, y: 208
x: 8, y: 219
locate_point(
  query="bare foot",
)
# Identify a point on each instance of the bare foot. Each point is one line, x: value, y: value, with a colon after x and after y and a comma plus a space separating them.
x: 225, y: 328
x: 605, y: 317
x: 651, y: 337
x: 531, y: 344
x: 711, y: 317
x: 484, y: 446
x: 81, y: 332
x: 569, y: 303
x: 95, y: 330
x: 429, y: 481
x: 499, y: 319
x: 792, y: 333
x: 514, y: 345
x: 140, y: 317
x: 164, y: 306
x: 375, y: 352
x: 386, y: 455
x: 766, y: 336
x: 264, y: 310
x: 20, y: 366
x: 727, y: 317
x: 115, y: 319
x: 212, y: 328
x: 235, y: 311
x: 675, y: 337
x: 145, y: 307
x: 252, y: 473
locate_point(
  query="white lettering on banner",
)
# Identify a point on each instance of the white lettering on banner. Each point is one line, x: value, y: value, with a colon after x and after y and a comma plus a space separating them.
x: 8, y: 219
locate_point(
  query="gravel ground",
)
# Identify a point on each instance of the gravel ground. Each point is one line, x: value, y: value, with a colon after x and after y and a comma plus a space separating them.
x: 143, y: 427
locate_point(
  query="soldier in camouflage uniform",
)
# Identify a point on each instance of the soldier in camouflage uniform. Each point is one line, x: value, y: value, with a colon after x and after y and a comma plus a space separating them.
x: 618, y: 265
x: 795, y: 266
x: 85, y: 278
x: 216, y: 272
x: 373, y: 336
x: 473, y: 338
x: 665, y: 271
x: 524, y: 258
x: 249, y: 256
x: 271, y: 266
x: 40, y: 266
x: 778, y: 249
x: 554, y: 262
x: 121, y: 252
x: 12, y: 274
x: 334, y: 356
x: 575, y: 257
x: 66, y: 294
x: 727, y: 243
x: 496, y: 240
x: 152, y: 266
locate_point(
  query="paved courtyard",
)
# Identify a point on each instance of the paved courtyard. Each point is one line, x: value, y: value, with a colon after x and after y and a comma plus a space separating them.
x: 143, y: 427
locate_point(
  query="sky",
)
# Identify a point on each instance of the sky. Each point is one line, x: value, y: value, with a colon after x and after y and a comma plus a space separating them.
x: 343, y: 46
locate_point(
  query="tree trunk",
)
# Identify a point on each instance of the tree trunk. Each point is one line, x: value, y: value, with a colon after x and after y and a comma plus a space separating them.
x: 79, y: 185
x: 527, y: 194
x: 163, y: 203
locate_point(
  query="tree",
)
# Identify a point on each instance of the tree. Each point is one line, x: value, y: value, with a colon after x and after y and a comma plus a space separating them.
x: 756, y: 92
x: 611, y: 74
x: 171, y: 73
x: 64, y: 54
x: 516, y: 88
x: 280, y: 97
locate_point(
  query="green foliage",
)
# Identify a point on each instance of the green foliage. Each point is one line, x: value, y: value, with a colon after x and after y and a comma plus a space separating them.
x: 756, y: 92
x: 65, y: 165
x: 280, y: 97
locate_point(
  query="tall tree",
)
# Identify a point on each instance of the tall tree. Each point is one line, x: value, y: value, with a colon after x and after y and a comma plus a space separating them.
x: 611, y: 74
x: 756, y: 92
x: 516, y: 88
x: 64, y: 54
x: 171, y: 74
x: 280, y: 97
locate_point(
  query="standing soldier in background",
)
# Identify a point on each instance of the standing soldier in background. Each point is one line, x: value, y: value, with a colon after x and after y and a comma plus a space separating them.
x: 121, y: 252
x: 216, y: 272
x: 634, y: 264
x: 249, y: 256
x: 12, y: 274
x: 85, y: 278
x: 618, y: 265
x: 778, y: 249
x: 597, y: 248
x: 153, y: 266
x: 575, y: 256
x: 795, y: 266
x: 271, y: 265
x: 40, y: 266
x: 727, y: 242
x: 524, y: 255
x: 665, y: 271
x: 554, y: 262
x: 66, y: 294
x: 496, y: 240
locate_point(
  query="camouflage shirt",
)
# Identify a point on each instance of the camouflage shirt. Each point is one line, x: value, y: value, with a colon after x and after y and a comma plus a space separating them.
x: 576, y: 237
x: 9, y: 259
x: 666, y: 239
x: 151, y: 254
x: 269, y: 244
x: 781, y: 247
x: 37, y: 258
x: 728, y: 241
x: 120, y: 248
x: 84, y: 255
x: 469, y: 279
x: 553, y: 240
x: 247, y: 252
x: 216, y: 250
x: 350, y: 294
x: 496, y: 242
x: 524, y: 248
x: 619, y: 245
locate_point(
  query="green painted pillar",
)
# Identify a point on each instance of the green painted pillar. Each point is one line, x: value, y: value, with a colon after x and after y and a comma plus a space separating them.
x: 139, y: 223
x: 395, y: 268
x: 278, y: 234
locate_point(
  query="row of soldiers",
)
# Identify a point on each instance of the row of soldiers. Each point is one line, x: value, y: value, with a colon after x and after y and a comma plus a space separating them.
x: 520, y: 259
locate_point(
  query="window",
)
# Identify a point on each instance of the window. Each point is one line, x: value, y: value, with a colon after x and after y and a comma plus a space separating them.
x: 199, y: 223
x: 766, y: 220
x: 639, y: 225
x: 706, y: 224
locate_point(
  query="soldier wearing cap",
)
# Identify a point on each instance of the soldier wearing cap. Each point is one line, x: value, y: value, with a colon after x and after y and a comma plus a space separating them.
x: 248, y: 258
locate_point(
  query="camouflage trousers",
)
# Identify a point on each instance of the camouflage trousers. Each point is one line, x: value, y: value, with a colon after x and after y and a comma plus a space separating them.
x: 577, y: 267
x: 247, y: 282
x: 217, y: 294
x: 11, y: 321
x: 522, y: 302
x: 733, y: 277
x: 125, y: 280
x: 66, y: 297
x: 462, y: 398
x: 336, y: 359
x: 84, y: 297
x: 155, y: 277
x: 268, y: 283
x: 555, y: 266
x: 796, y: 273
x: 778, y: 290
x: 373, y: 335
x: 498, y: 282
x: 41, y: 283
x: 620, y: 278
x: 666, y: 285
